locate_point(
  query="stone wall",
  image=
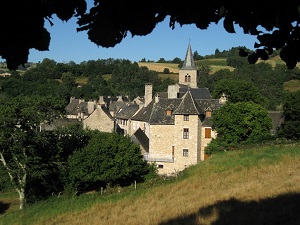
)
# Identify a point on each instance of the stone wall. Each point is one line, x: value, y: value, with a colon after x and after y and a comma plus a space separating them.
x: 99, y: 120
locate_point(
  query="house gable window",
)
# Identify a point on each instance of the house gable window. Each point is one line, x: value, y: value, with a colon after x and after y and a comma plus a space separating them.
x: 185, y: 152
x: 207, y: 132
x: 185, y: 117
x: 185, y: 133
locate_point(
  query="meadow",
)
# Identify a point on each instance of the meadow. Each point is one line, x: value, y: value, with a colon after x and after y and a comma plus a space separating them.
x: 258, y: 184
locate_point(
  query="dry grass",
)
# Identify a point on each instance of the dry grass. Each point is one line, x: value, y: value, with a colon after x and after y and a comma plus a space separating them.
x: 159, y: 67
x: 264, y: 194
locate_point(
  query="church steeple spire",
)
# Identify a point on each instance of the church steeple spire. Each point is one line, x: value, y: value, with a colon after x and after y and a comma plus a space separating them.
x: 189, y: 62
x: 188, y: 73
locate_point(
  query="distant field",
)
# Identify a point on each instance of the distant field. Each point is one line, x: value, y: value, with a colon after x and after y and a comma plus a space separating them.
x: 81, y: 80
x: 292, y: 85
x: 173, y: 76
x: 159, y: 67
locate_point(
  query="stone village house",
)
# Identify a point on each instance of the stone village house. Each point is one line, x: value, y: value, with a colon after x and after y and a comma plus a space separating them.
x: 172, y: 128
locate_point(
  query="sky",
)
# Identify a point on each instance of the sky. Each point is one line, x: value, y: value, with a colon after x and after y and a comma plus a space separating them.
x: 69, y: 45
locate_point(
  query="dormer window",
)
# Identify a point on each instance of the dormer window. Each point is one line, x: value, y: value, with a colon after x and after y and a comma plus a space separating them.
x: 168, y: 112
x: 208, y: 113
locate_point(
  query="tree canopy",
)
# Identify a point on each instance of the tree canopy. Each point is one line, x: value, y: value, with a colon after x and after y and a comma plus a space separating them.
x: 107, y: 23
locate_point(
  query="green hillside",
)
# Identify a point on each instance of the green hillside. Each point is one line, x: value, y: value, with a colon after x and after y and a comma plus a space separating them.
x: 256, y: 185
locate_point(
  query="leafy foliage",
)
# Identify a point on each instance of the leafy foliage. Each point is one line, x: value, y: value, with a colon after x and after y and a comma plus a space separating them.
x: 238, y: 91
x: 250, y: 122
x: 291, y: 112
x: 107, y: 159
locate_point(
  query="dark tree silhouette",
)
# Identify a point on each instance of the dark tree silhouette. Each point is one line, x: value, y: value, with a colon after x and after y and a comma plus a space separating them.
x: 109, y: 21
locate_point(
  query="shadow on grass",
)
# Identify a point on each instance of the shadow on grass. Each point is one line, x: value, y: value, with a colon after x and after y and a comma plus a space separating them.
x: 281, y: 210
x: 3, y: 207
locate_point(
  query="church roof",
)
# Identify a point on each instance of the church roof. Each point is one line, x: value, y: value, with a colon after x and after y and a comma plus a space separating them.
x: 189, y: 63
x: 197, y: 93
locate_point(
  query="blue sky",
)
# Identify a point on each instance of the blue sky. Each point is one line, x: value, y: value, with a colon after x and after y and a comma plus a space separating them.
x: 69, y: 45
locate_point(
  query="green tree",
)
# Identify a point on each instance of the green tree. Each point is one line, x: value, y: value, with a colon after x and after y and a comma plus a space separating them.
x: 243, y: 121
x: 107, y: 159
x: 238, y: 91
x: 21, y: 138
x: 291, y: 111
x: 166, y: 71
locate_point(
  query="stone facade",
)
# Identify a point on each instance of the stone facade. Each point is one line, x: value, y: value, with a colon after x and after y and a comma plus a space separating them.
x: 99, y: 119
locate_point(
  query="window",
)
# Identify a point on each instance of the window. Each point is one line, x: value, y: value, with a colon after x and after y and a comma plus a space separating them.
x: 208, y: 113
x: 187, y: 78
x: 207, y: 132
x: 186, y: 117
x: 168, y: 112
x: 185, y: 152
x: 160, y: 166
x: 185, y: 133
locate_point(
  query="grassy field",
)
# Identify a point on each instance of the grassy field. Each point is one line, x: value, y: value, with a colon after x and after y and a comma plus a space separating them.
x: 159, y: 67
x: 292, y: 85
x: 257, y: 185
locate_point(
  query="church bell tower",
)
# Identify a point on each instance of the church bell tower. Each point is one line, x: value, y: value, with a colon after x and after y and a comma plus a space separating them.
x: 188, y: 73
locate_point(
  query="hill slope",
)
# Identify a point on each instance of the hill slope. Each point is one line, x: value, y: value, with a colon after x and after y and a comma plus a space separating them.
x: 260, y: 185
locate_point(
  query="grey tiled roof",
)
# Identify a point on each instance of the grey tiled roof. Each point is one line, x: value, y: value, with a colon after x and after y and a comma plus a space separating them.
x: 106, y: 111
x: 189, y: 63
x: 139, y: 137
x: 159, y: 116
x: 207, y: 122
x: 188, y: 105
x: 197, y: 93
x: 74, y: 107
x: 145, y: 113
x: 208, y: 104
x: 127, y: 111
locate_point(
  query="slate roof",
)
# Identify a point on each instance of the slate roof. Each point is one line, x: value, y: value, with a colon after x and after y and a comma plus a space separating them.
x: 158, y: 114
x: 74, y: 107
x: 197, y: 93
x: 188, y: 105
x: 208, y: 104
x: 106, y: 111
x: 127, y: 111
x: 145, y: 113
x: 207, y: 122
x: 189, y: 63
x: 139, y: 137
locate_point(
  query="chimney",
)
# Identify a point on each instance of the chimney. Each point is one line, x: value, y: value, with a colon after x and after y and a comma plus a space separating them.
x: 172, y: 91
x: 71, y: 99
x: 90, y: 107
x: 223, y: 99
x: 120, y: 98
x: 156, y: 98
x: 148, y: 94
